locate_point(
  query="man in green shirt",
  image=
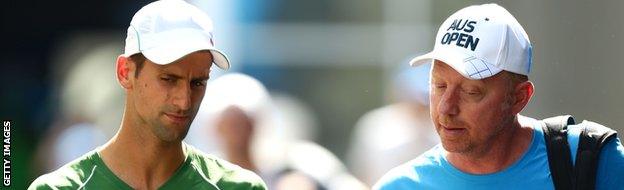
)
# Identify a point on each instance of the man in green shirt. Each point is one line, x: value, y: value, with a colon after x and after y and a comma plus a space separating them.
x: 167, y: 59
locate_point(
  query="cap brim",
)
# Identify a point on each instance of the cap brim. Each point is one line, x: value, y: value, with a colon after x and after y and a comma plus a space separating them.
x: 167, y: 47
x: 220, y: 59
x: 468, y: 66
x: 163, y: 56
x: 426, y: 58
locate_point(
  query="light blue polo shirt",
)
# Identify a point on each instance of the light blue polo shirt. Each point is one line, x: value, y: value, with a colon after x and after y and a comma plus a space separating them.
x: 431, y: 170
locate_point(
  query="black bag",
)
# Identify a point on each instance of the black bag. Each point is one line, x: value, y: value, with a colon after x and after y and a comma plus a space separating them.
x: 581, y: 175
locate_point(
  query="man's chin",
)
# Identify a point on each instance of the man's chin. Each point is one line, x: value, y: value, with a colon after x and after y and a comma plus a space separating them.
x: 455, y: 147
x: 172, y: 137
x: 172, y: 132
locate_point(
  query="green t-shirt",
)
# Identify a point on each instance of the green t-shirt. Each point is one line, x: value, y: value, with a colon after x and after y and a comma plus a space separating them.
x: 199, y: 171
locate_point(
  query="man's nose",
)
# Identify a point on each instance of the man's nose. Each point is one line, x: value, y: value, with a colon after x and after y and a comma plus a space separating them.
x: 182, y: 97
x: 448, y: 104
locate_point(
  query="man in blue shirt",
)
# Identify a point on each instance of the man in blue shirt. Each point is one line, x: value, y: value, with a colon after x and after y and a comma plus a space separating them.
x: 479, y: 85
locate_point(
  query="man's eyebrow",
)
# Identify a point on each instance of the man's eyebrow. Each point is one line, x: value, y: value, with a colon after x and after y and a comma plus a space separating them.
x: 202, y: 78
x: 171, y: 75
x: 163, y: 71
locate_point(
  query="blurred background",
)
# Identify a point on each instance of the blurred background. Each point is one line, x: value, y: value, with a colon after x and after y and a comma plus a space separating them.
x: 326, y: 68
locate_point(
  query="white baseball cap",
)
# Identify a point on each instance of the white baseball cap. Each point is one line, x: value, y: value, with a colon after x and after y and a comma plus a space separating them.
x: 167, y: 30
x: 480, y: 41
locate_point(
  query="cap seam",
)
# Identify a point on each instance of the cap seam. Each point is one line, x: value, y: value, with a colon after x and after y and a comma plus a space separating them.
x: 138, y: 38
x: 504, y: 50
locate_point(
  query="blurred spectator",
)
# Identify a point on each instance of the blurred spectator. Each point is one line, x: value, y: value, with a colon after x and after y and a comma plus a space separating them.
x: 235, y: 130
x: 393, y: 134
x: 272, y: 136
x: 293, y: 179
x: 307, y: 165
x: 234, y: 99
x: 89, y: 101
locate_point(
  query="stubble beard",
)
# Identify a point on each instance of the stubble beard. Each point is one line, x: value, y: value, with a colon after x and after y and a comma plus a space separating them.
x: 169, y: 132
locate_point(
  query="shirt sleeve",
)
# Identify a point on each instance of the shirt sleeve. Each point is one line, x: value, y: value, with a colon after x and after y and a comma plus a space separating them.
x: 40, y: 184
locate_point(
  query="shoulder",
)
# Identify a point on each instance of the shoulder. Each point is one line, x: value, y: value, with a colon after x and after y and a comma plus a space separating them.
x: 613, y: 153
x: 612, y: 150
x: 611, y: 158
x: 70, y: 176
x: 611, y: 165
x: 224, y: 173
x: 411, y: 174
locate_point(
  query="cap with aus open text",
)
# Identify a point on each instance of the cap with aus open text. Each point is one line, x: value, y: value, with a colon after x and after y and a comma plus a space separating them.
x: 480, y: 41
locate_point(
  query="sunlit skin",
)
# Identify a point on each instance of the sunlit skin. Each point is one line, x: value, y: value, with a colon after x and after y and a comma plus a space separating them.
x: 476, y: 120
x: 166, y: 97
x: 161, y: 103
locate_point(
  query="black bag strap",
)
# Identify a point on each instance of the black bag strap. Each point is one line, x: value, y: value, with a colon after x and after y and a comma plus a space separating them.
x: 593, y: 137
x: 581, y: 175
x: 559, y: 160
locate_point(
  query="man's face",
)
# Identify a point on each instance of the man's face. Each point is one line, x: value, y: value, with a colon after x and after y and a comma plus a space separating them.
x: 166, y: 97
x: 469, y: 114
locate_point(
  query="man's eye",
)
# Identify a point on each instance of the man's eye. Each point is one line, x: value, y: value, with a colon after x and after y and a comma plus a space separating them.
x: 472, y: 92
x: 200, y: 83
x: 166, y: 79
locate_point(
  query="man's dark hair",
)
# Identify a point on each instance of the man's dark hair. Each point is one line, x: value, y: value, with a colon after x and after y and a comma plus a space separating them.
x: 139, y: 60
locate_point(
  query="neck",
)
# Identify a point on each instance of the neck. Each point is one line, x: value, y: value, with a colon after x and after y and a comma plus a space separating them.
x: 139, y: 158
x: 501, y: 152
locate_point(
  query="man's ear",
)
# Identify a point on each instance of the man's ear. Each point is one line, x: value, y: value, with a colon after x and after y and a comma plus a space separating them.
x: 123, y: 72
x: 522, y: 94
